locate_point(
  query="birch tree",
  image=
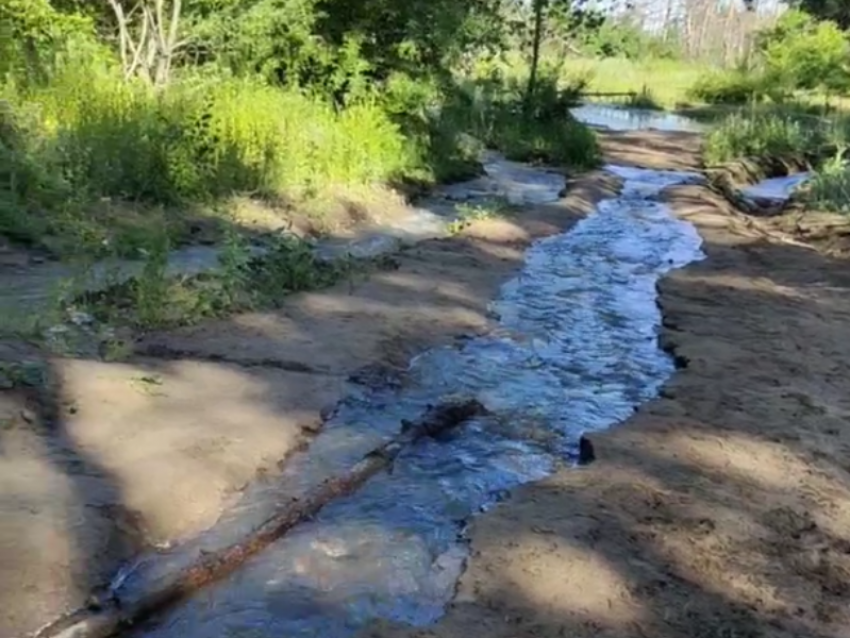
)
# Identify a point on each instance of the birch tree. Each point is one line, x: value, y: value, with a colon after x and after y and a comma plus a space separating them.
x: 148, y: 37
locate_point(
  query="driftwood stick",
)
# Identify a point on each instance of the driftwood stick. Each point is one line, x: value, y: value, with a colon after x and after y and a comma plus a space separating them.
x: 209, y: 567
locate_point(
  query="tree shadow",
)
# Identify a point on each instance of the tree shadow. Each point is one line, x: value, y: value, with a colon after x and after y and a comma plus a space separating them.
x: 65, y: 527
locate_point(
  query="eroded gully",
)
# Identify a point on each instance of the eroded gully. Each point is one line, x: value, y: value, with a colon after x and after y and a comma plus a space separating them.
x: 576, y: 351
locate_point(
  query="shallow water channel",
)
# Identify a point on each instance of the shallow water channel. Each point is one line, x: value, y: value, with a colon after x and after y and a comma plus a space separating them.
x: 576, y: 353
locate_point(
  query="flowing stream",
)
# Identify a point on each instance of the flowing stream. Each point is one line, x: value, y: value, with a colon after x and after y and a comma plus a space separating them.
x: 576, y: 351
x: 776, y: 188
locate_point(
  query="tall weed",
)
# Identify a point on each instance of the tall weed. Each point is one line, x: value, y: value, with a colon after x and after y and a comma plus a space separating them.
x: 829, y: 188
x: 204, y: 139
x: 736, y: 86
x: 771, y: 132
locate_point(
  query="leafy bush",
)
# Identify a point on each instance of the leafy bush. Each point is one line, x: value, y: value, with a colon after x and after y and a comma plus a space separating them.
x: 540, y: 129
x: 800, y: 52
x: 448, y: 125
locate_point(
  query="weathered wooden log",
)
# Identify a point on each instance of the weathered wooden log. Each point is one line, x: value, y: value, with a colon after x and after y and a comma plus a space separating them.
x: 111, y: 615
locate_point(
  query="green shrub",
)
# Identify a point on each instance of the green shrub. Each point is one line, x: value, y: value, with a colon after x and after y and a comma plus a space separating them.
x: 448, y: 125
x: 728, y: 87
x: 543, y: 129
x: 27, y: 185
x: 207, y: 139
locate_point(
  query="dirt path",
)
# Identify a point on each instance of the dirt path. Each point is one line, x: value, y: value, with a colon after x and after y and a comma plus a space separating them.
x: 110, y: 457
x: 722, y: 509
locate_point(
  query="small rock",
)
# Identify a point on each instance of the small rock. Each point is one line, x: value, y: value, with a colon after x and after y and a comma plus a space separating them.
x: 667, y: 393
x: 586, y: 453
x: 6, y: 382
x: 313, y: 426
x: 79, y: 318
x: 28, y: 416
x: 328, y: 412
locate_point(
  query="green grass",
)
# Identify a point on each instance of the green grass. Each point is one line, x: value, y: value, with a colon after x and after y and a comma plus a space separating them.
x: 786, y: 131
x: 91, y: 164
x: 83, y: 143
x: 243, y: 282
x: 94, y: 166
x: 730, y: 87
x: 829, y: 189
x: 776, y: 131
x: 468, y: 214
x: 668, y: 81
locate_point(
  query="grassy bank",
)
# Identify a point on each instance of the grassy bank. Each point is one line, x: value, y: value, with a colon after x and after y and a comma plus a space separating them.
x: 790, y: 130
x: 93, y: 165
x: 97, y: 165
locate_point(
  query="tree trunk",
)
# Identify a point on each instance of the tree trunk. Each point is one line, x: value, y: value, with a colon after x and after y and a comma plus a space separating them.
x: 539, y: 7
x: 147, y: 51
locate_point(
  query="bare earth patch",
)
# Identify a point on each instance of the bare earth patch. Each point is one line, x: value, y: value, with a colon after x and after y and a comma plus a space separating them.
x: 720, y: 510
x: 113, y: 457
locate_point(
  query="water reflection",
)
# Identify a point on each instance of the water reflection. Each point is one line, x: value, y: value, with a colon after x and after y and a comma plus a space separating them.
x: 630, y: 119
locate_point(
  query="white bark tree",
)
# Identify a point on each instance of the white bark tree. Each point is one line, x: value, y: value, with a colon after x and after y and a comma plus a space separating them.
x: 148, y: 37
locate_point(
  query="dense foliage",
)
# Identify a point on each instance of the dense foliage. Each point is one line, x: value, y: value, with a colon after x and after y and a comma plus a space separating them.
x: 185, y: 102
x: 836, y: 10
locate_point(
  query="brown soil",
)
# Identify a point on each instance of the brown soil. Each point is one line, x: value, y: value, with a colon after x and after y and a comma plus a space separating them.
x: 111, y: 457
x: 720, y: 510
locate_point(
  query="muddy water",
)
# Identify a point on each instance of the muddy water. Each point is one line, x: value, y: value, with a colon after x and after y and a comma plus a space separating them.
x: 575, y: 352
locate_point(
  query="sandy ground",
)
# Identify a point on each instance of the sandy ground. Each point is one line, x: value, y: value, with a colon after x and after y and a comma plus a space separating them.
x: 112, y: 457
x: 720, y: 510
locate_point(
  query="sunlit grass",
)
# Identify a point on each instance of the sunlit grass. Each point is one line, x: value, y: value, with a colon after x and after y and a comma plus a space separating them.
x: 773, y: 130
x: 668, y: 81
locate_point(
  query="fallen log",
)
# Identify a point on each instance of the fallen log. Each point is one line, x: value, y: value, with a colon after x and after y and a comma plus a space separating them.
x: 109, y: 615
